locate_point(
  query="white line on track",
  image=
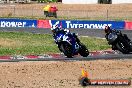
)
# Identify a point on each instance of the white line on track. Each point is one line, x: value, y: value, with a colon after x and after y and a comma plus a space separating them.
x: 94, y: 37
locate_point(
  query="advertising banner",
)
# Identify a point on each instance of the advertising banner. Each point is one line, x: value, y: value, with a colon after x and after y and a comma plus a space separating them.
x: 82, y: 24
x: 17, y: 23
x: 128, y: 25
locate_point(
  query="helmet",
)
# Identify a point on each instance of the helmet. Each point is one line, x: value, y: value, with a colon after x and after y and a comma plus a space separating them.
x: 107, y: 29
x: 55, y: 28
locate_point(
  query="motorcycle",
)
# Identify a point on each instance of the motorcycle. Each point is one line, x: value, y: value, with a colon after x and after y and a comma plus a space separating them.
x: 120, y: 43
x: 68, y: 45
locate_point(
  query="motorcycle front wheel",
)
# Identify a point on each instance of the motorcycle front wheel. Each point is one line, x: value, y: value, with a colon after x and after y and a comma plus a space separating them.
x: 67, y: 50
x: 121, y: 47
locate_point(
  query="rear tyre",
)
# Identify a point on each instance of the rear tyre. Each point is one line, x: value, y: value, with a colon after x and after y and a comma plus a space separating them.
x: 83, y: 51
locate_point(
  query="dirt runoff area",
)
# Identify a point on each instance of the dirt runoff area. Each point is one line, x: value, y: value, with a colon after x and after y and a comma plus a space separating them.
x: 61, y: 74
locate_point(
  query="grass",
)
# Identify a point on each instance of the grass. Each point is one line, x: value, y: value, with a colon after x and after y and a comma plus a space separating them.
x: 21, y: 43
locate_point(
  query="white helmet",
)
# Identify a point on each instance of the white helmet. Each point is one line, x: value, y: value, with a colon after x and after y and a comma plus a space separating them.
x: 55, y: 27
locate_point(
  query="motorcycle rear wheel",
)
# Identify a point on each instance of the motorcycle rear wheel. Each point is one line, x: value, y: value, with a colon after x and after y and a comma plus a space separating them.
x: 83, y: 51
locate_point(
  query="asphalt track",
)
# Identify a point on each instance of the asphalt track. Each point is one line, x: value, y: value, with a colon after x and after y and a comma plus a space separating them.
x: 81, y: 32
x: 78, y: 58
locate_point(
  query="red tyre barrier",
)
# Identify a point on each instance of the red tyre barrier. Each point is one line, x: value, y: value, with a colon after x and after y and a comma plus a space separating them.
x: 128, y: 25
x: 43, y: 24
x: 5, y: 57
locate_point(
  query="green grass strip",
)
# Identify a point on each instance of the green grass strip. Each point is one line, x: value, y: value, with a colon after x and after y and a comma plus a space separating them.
x: 21, y: 43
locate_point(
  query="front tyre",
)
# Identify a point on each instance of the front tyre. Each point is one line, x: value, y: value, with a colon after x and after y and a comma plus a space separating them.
x: 67, y: 50
x: 130, y: 43
x: 83, y: 51
x: 121, y: 47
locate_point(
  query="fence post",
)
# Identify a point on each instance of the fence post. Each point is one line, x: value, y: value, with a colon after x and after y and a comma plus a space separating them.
x: 67, y: 14
x: 107, y: 15
x: 14, y: 11
x: 32, y: 12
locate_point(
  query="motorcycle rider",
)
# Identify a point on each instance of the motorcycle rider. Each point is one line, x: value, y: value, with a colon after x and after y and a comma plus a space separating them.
x: 56, y: 29
x: 108, y: 30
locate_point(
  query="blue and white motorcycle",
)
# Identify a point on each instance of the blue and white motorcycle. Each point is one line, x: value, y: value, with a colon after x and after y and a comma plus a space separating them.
x: 69, y: 46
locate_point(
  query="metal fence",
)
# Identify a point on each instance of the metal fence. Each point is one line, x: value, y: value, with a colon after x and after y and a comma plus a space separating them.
x: 68, y: 14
